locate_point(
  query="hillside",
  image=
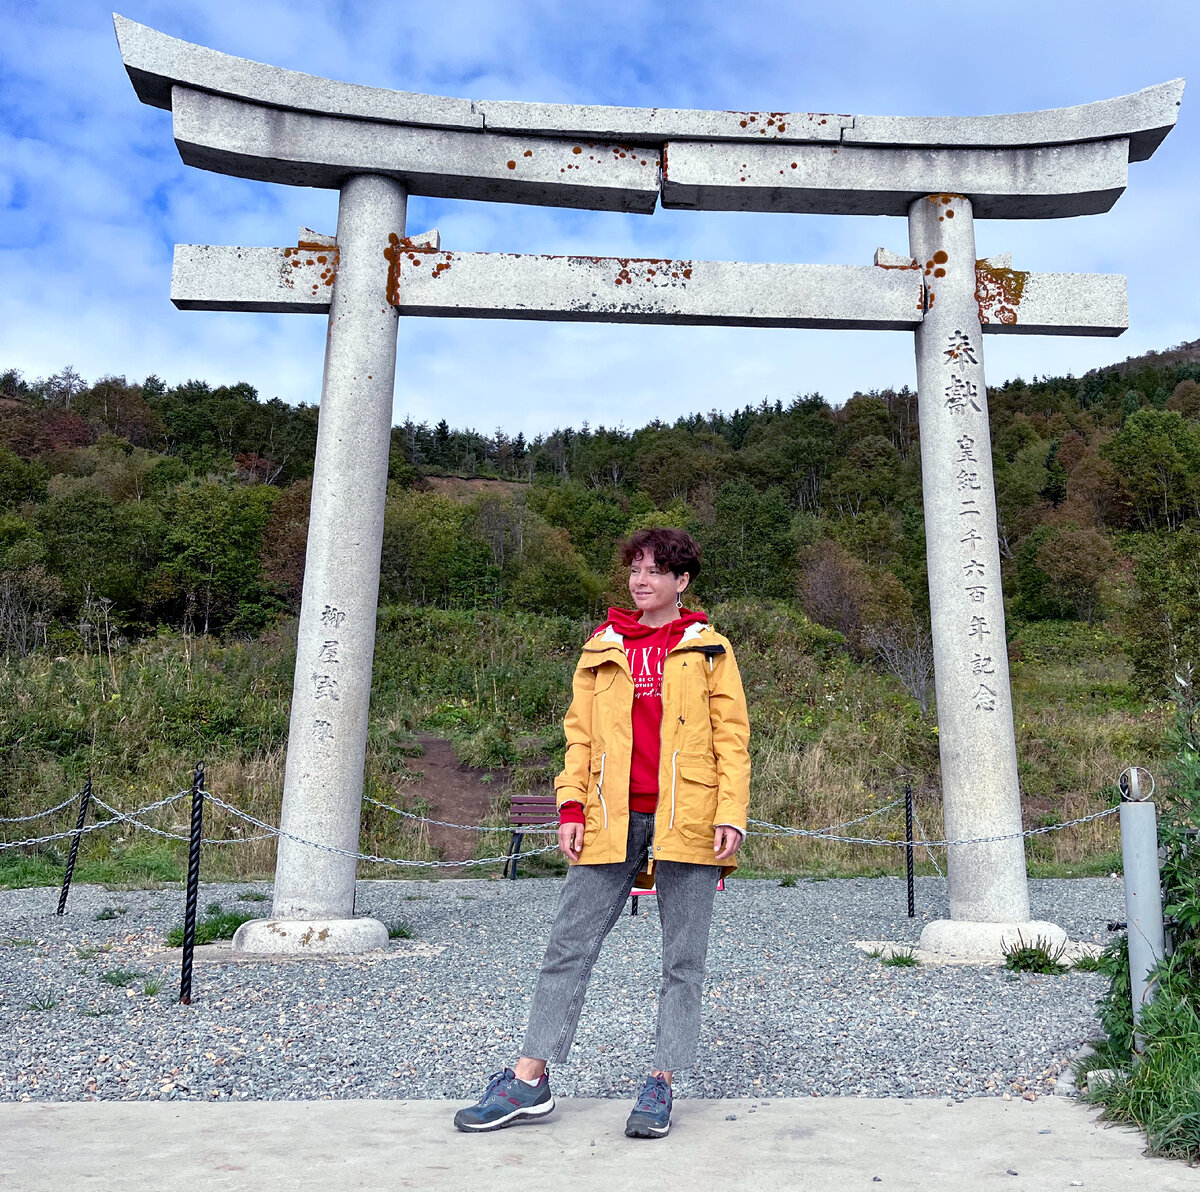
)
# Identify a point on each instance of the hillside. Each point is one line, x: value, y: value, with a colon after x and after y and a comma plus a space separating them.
x: 152, y: 536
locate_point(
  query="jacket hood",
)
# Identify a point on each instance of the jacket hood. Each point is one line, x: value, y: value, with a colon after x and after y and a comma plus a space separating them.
x: 628, y: 624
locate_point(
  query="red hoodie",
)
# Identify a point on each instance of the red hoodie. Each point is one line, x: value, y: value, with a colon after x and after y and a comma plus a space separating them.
x: 646, y: 648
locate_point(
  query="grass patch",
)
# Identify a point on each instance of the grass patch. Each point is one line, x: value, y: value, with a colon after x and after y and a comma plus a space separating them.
x: 1039, y: 955
x: 103, y: 862
x: 1087, y: 963
x: 399, y: 930
x: 111, y: 912
x: 901, y: 958
x: 90, y: 952
x: 253, y: 896
x: 152, y: 985
x: 1099, y: 864
x: 120, y: 978
x: 42, y: 1002
x: 218, y: 924
x: 789, y: 882
x: 20, y: 943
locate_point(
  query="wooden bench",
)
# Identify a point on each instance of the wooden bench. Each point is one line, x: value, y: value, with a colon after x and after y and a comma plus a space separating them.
x: 525, y: 812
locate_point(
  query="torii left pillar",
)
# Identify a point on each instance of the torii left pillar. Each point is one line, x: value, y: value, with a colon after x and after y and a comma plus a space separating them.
x: 313, y: 909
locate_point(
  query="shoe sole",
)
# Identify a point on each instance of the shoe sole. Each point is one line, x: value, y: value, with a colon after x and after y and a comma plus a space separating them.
x: 645, y: 1130
x: 525, y: 1113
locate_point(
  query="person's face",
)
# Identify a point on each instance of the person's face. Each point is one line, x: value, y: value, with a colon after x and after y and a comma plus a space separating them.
x: 654, y: 589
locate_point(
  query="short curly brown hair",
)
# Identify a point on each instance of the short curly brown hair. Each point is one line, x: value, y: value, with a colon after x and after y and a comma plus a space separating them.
x: 676, y: 550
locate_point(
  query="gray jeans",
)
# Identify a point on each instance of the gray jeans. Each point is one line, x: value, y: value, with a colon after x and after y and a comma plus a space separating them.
x: 592, y: 900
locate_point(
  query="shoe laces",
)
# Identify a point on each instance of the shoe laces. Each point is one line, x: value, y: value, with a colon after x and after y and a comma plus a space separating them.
x: 655, y: 1092
x: 500, y: 1078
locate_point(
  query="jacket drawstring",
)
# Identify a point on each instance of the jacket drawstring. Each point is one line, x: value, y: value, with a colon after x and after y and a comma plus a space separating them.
x: 600, y: 790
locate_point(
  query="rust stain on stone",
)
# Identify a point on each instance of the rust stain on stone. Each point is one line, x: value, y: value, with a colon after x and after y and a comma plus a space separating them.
x: 632, y: 270
x: 999, y: 292
x: 400, y: 247
x: 323, y: 256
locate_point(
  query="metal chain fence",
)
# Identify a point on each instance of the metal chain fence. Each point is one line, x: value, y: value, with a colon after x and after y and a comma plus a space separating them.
x: 760, y: 828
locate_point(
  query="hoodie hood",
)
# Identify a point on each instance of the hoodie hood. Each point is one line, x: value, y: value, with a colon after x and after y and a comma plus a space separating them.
x: 629, y: 624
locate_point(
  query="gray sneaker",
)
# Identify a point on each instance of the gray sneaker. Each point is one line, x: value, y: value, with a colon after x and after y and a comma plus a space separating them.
x: 506, y: 1101
x: 651, y: 1116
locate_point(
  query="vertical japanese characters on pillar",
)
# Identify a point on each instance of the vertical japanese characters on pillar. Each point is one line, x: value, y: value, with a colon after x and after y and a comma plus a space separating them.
x: 325, y: 679
x: 962, y: 400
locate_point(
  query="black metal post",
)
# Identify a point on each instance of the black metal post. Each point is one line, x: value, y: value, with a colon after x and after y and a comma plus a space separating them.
x: 193, y: 885
x: 85, y: 798
x: 908, y: 851
x: 514, y: 852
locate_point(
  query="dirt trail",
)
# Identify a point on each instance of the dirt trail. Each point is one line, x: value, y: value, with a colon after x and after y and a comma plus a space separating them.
x: 455, y: 792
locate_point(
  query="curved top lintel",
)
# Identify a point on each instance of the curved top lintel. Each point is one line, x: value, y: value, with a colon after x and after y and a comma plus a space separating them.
x: 1145, y: 117
x: 156, y: 62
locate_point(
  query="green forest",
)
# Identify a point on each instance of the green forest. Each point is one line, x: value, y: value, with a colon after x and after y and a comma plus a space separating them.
x: 127, y: 508
x: 152, y: 541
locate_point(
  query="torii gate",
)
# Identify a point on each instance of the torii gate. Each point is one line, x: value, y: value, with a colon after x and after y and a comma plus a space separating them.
x: 376, y: 147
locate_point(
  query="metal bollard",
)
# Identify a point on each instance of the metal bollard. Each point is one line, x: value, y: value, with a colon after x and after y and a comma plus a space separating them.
x: 908, y: 851
x: 1143, y: 891
x: 85, y: 798
x: 193, y: 885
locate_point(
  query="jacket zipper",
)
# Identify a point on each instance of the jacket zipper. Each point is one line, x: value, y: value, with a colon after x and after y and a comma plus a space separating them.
x: 600, y: 790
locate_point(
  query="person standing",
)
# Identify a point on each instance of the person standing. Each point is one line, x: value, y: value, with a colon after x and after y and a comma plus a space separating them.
x: 656, y: 782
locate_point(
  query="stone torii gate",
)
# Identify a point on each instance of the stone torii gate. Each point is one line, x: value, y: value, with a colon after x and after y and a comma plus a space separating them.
x: 376, y: 147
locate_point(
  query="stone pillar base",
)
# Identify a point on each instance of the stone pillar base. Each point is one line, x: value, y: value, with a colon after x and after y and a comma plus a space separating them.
x: 960, y: 937
x: 312, y: 937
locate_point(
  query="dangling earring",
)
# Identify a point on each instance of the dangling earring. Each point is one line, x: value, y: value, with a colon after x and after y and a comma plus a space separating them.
x: 679, y: 600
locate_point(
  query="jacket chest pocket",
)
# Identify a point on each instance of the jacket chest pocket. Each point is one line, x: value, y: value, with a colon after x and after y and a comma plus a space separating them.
x: 604, y: 699
x: 690, y: 691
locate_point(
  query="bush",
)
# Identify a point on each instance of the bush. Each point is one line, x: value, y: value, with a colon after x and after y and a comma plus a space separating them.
x: 1160, y: 1089
x: 1037, y: 956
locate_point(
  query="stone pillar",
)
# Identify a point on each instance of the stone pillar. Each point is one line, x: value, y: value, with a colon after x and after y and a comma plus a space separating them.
x: 322, y: 795
x: 980, y: 791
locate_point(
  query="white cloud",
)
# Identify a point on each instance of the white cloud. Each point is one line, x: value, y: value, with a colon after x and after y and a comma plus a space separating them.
x: 93, y: 194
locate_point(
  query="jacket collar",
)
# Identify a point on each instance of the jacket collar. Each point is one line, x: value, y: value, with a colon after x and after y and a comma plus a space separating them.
x: 610, y: 639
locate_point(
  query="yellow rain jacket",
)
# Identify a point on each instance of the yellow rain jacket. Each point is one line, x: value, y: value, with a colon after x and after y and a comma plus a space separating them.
x: 704, y: 765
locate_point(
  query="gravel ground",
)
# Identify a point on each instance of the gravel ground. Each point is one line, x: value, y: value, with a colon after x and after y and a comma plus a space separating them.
x: 791, y: 1007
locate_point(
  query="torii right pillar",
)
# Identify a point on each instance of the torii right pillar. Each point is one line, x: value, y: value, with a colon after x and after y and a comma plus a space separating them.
x: 989, y: 894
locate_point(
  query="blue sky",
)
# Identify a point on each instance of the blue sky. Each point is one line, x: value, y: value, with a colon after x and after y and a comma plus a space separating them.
x: 93, y: 195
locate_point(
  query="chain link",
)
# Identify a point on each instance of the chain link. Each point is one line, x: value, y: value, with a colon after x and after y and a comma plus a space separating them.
x: 781, y: 830
x: 37, y: 815
x: 1087, y: 819
x: 131, y: 818
x: 395, y: 861
x: 93, y: 827
x: 924, y: 841
x: 268, y: 830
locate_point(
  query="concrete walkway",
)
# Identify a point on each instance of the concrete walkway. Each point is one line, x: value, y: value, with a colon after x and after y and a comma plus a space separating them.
x: 340, y: 1146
